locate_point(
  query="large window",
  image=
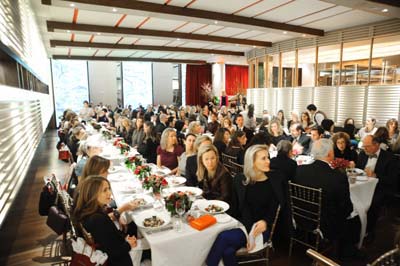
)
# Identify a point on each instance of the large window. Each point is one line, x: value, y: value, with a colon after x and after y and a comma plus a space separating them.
x: 385, y: 67
x: 328, y: 65
x: 70, y: 80
x: 355, y: 61
x: 306, y: 59
x: 261, y: 71
x: 288, y: 69
x: 273, y: 70
x: 137, y: 83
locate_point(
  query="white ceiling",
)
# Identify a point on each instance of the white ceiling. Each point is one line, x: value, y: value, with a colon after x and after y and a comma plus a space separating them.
x: 325, y: 15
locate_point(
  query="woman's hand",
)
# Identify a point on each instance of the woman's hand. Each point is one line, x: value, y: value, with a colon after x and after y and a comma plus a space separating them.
x: 131, y: 240
x: 129, y: 206
x: 352, y: 164
x: 260, y: 227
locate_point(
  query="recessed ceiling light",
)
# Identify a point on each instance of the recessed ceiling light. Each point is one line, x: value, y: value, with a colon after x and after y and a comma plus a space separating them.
x: 178, y: 39
x: 68, y: 31
x: 90, y: 48
x: 254, y: 46
x: 304, y: 35
x: 98, y: 33
x: 114, y: 9
x: 285, y: 32
x: 212, y: 54
x: 216, y: 22
x: 237, y: 44
x: 71, y: 5
x: 385, y: 10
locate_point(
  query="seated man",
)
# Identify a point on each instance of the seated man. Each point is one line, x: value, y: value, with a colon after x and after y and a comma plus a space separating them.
x: 337, y: 207
x: 382, y: 165
x: 297, y: 136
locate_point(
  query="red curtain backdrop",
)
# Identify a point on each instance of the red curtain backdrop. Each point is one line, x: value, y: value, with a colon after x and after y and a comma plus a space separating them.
x: 236, y: 79
x: 196, y: 75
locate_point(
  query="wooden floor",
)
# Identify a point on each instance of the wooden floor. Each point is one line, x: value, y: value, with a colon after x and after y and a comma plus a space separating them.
x: 25, y: 240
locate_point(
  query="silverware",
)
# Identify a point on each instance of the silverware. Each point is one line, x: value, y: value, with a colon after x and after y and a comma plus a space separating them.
x: 167, y: 228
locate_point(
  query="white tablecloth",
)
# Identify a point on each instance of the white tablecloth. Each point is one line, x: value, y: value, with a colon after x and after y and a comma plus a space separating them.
x: 361, y: 194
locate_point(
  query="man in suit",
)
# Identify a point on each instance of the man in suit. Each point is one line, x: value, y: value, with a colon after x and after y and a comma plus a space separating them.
x: 297, y: 136
x: 338, y: 221
x: 162, y: 124
x: 380, y: 164
x: 240, y: 127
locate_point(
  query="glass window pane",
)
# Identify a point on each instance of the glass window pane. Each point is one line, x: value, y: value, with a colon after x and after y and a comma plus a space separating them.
x: 70, y: 79
x: 137, y: 83
x: 328, y: 65
x: 273, y: 71
x: 355, y: 63
x: 306, y: 61
x: 288, y: 68
x: 385, y: 67
x: 261, y: 72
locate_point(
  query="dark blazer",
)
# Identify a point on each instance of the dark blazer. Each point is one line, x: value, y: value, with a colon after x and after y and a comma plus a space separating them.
x: 219, y: 187
x: 285, y: 165
x: 348, y: 154
x: 148, y: 148
x: 221, y: 147
x: 239, y: 207
x: 276, y: 139
x: 249, y: 133
x: 304, y: 141
x: 386, y: 169
x: 237, y: 152
x: 109, y: 238
x: 191, y: 169
x: 159, y: 128
x: 336, y: 203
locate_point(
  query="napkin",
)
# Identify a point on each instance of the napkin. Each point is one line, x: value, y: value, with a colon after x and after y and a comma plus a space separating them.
x: 203, y: 222
x: 258, y: 240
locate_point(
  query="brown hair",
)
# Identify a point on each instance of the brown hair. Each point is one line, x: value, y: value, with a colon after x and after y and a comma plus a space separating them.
x: 201, y: 169
x: 95, y: 165
x: 341, y: 135
x: 87, y: 203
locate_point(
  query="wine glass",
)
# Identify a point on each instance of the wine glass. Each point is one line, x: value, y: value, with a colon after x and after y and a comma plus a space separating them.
x: 180, y: 208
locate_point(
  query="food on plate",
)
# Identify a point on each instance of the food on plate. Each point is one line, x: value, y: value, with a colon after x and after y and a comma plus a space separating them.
x: 141, y: 201
x: 153, y: 221
x: 190, y: 193
x: 212, y: 208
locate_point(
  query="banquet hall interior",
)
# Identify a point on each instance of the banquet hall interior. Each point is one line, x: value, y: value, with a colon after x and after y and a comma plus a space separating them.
x: 190, y: 93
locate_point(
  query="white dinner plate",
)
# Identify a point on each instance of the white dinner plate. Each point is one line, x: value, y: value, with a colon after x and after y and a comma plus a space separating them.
x: 223, y: 218
x: 117, y: 177
x: 175, y: 180
x: 195, y: 191
x: 147, y: 199
x: 140, y: 218
x: 304, y: 159
x: 204, y: 206
x: 116, y: 168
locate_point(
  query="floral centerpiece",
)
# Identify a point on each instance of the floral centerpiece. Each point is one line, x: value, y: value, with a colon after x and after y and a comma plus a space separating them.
x: 120, y: 143
x: 177, y: 198
x: 142, y: 171
x: 107, y: 134
x: 340, y: 164
x: 206, y: 92
x: 297, y: 149
x: 133, y: 162
x: 95, y: 125
x: 155, y: 182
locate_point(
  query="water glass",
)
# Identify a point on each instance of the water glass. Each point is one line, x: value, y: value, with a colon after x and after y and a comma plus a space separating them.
x: 177, y: 223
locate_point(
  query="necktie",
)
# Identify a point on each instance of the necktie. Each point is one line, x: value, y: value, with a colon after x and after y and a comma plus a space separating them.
x: 372, y: 156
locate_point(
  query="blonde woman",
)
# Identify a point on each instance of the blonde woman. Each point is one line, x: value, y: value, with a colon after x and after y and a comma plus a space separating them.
x: 276, y: 131
x: 191, y: 161
x: 212, y: 176
x: 257, y: 193
x: 169, y: 151
x: 127, y: 130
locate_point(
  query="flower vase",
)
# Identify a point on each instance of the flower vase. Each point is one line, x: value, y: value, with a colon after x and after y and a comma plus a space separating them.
x: 158, y: 204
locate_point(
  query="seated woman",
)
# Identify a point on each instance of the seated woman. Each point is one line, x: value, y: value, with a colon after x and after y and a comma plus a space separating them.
x: 96, y: 165
x: 87, y: 149
x: 191, y: 161
x: 138, y: 132
x: 78, y: 134
x: 102, y: 115
x: 342, y: 147
x: 169, y: 151
x: 306, y: 122
x: 189, y: 151
x: 212, y: 176
x: 256, y: 196
x: 283, y: 162
x: 392, y: 126
x: 221, y: 140
x: 276, y: 131
x: 194, y: 128
x: 90, y: 213
x: 227, y: 123
x: 368, y: 129
x: 148, y: 148
x: 236, y: 146
x: 382, y: 135
x: 127, y: 130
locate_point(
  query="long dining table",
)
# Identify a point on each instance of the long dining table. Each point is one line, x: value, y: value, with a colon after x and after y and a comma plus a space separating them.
x: 169, y: 246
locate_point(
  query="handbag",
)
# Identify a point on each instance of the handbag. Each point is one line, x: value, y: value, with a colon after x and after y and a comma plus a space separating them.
x: 58, y: 220
x: 48, y: 197
x: 63, y: 154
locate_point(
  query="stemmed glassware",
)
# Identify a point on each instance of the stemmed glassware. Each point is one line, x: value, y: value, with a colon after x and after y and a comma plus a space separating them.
x: 180, y: 209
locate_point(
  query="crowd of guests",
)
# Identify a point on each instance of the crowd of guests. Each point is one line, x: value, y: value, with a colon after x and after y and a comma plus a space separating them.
x: 191, y: 141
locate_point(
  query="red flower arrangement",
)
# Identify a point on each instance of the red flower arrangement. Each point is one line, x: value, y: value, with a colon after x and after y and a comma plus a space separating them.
x: 120, y: 143
x: 155, y: 182
x: 142, y: 171
x: 340, y: 163
x: 177, y: 198
x: 133, y: 162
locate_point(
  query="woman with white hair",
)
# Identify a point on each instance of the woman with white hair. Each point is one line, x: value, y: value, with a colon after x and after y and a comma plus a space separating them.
x: 257, y: 193
x: 368, y: 129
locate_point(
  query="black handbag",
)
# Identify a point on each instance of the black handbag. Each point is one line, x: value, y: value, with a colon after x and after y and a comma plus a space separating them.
x: 58, y: 220
x: 48, y: 197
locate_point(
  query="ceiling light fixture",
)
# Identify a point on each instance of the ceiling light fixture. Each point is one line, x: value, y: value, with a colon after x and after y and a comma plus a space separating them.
x: 254, y: 46
x: 114, y: 9
x: 71, y: 5
x: 68, y: 31
x: 285, y: 32
x: 216, y: 22
x: 385, y: 10
x: 98, y: 33
x: 304, y: 35
x: 178, y: 39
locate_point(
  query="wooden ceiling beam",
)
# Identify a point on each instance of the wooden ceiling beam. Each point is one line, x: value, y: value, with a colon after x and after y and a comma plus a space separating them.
x: 52, y: 25
x: 198, y: 13
x: 394, y: 3
x: 55, y: 43
x: 110, y: 58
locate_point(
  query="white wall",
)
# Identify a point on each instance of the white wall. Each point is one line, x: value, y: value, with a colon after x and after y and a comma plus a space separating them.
x: 103, y: 82
x: 162, y: 83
